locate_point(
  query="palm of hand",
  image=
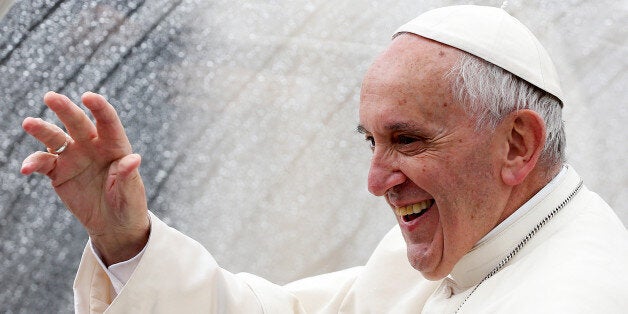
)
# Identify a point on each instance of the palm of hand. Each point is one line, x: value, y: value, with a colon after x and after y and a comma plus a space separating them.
x: 96, y: 176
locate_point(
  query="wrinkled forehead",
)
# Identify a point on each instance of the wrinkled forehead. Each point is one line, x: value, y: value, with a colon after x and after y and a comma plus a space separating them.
x: 409, y: 83
x: 411, y: 63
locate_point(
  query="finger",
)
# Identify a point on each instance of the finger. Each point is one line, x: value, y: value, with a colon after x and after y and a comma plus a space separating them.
x: 125, y: 182
x: 74, y: 118
x: 40, y: 162
x: 131, y: 188
x: 108, y: 123
x: 127, y: 166
x: 47, y: 133
x: 124, y: 169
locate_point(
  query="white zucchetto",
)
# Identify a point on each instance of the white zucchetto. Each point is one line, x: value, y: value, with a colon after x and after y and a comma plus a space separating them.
x: 493, y: 35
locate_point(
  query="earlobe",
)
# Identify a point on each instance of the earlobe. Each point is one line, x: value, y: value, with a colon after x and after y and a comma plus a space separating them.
x: 526, y: 139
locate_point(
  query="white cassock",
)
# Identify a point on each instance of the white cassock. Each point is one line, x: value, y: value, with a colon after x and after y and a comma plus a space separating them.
x: 577, y: 262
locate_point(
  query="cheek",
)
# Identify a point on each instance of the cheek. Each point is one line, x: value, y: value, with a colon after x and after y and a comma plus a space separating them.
x: 473, y: 181
x: 472, y: 199
x: 462, y: 181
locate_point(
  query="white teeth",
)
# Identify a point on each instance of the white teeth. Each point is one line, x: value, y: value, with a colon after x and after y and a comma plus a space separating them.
x: 413, y: 208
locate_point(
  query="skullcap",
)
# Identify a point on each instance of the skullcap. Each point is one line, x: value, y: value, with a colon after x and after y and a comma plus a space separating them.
x: 493, y: 35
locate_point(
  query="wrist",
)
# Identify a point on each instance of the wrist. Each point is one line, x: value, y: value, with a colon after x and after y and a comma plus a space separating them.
x: 120, y: 245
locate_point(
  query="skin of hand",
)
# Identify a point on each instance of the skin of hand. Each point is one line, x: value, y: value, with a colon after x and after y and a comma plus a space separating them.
x: 96, y: 176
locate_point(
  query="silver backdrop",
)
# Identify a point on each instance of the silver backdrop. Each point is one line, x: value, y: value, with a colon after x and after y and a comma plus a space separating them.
x: 245, y: 114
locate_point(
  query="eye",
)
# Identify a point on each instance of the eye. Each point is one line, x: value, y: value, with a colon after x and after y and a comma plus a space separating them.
x: 371, y: 141
x: 404, y: 140
x: 410, y: 144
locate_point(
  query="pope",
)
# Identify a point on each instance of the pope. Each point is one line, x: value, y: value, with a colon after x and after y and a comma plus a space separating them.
x: 463, y: 113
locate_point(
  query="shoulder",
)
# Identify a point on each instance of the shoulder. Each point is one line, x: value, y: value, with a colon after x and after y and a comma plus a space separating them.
x: 576, y: 266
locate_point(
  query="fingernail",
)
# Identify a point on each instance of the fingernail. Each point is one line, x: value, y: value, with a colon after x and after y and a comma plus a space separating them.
x: 24, y: 165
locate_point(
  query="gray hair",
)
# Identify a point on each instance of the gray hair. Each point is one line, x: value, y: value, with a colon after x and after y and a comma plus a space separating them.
x: 490, y: 93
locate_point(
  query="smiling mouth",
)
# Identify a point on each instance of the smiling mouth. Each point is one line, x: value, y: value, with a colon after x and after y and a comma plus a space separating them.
x: 413, y: 211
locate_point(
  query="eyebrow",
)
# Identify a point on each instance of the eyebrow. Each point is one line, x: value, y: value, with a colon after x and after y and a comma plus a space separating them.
x: 401, y: 126
x: 398, y: 126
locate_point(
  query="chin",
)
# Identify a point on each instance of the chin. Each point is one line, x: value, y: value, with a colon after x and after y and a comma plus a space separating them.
x: 431, y: 271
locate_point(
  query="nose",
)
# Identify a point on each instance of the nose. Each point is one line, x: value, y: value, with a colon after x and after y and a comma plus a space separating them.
x: 383, y: 174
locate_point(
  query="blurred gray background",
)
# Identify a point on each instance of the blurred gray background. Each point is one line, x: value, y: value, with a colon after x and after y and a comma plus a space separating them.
x: 245, y: 113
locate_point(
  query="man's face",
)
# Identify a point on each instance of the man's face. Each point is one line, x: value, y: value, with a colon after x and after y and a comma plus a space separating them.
x: 427, y: 156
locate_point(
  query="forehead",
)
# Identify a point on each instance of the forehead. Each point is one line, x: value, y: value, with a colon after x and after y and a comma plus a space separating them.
x: 411, y: 56
x: 408, y: 83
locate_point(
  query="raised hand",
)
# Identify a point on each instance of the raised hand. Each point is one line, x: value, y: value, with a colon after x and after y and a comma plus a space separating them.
x: 94, y: 172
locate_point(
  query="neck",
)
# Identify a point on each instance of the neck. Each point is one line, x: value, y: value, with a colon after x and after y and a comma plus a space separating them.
x: 523, y: 198
x: 536, y: 180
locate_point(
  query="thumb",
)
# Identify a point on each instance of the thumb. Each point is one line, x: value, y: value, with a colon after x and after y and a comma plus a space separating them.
x: 128, y: 167
x: 129, y: 196
x: 127, y: 219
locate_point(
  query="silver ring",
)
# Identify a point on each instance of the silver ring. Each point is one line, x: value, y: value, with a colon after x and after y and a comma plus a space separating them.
x: 61, y: 148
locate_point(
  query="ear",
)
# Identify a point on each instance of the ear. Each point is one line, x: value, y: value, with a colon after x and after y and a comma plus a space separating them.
x: 526, y: 138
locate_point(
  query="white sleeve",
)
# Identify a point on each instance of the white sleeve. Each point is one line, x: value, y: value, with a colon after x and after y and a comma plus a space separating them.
x: 175, y: 274
x: 119, y: 273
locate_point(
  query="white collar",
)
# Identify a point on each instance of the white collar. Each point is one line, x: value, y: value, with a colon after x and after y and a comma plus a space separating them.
x: 479, y: 261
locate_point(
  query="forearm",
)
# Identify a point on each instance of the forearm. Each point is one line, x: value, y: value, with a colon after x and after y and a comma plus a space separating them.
x: 175, y: 274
